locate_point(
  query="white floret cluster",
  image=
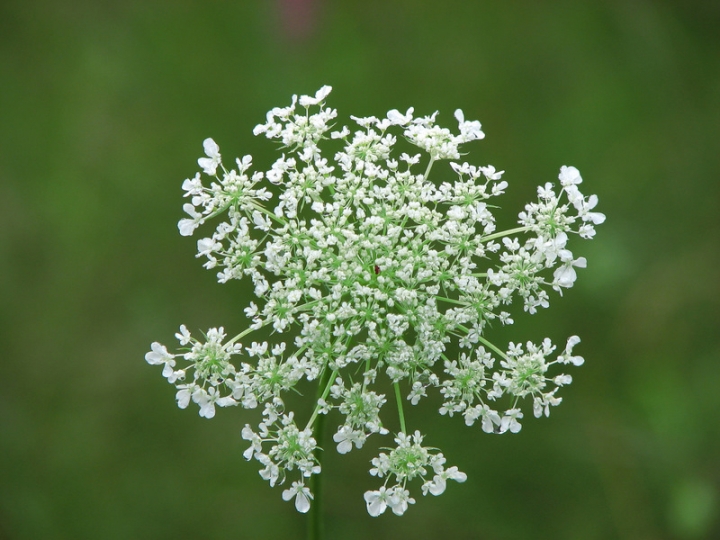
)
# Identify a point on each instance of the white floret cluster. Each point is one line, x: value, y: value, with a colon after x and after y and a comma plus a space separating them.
x: 369, y: 274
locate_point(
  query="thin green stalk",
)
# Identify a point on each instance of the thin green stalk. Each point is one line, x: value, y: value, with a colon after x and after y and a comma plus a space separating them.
x: 268, y: 213
x: 246, y: 332
x: 491, y: 346
x: 325, y: 382
x: 445, y: 299
x: 315, y: 530
x: 398, y: 397
x: 429, y: 167
x: 266, y: 322
x: 504, y: 233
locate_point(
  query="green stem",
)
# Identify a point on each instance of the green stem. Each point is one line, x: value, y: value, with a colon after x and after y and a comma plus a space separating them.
x: 398, y: 397
x: 327, y: 382
x: 458, y: 302
x: 429, y: 167
x: 266, y: 322
x: 491, y: 346
x: 267, y: 212
x: 246, y: 332
x: 504, y: 233
x: 315, y: 529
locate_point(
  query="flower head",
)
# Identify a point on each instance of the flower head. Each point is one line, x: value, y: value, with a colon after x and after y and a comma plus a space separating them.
x: 368, y: 274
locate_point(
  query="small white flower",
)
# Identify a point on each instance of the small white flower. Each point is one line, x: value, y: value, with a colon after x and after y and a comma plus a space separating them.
x: 399, y: 500
x: 183, y: 395
x: 261, y: 222
x: 255, y: 442
x: 511, y: 421
x: 183, y: 336
x: 398, y: 119
x: 439, y: 482
x: 206, y: 246
x: 491, y: 174
x: 188, y: 226
x: 212, y: 151
x: 377, y: 501
x: 320, y: 95
x: 346, y: 436
x: 565, y: 275
x: 257, y: 349
x: 469, y: 131
x: 344, y: 132
x: 159, y: 355
x: 302, y: 496
x: 569, y: 176
x: 207, y: 399
x: 251, y: 311
x: 567, y: 356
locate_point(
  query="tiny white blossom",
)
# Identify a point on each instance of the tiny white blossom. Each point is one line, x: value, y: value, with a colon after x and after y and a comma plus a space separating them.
x: 302, y: 496
x: 212, y: 151
x: 399, y: 119
x: 159, y: 355
x: 377, y: 501
x: 183, y: 336
x: 320, y: 95
x: 565, y: 275
x: 184, y: 394
x: 188, y: 226
x: 468, y: 130
x: 439, y: 482
x: 569, y: 176
x: 346, y: 436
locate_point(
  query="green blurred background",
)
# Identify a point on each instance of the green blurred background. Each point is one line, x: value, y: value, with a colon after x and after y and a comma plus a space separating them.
x: 103, y: 109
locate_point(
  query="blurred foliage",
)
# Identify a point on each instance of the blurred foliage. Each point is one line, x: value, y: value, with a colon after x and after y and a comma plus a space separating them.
x: 103, y: 108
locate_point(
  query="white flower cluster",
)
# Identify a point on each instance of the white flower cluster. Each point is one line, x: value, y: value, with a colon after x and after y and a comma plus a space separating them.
x: 409, y: 460
x: 369, y: 267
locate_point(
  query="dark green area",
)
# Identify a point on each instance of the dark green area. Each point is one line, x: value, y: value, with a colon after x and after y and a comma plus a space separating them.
x: 103, y: 109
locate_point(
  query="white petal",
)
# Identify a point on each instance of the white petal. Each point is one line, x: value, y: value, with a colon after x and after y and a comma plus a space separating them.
x: 459, y: 477
x: 187, y: 227
x: 183, y: 398
x: 302, y: 504
x: 168, y: 369
x: 211, y: 148
x: 226, y: 401
x: 577, y: 360
x: 438, y: 485
x: 158, y: 355
x: 208, y: 165
x: 571, y: 342
x: 569, y: 176
x: 344, y: 447
x: 207, y: 410
x: 323, y: 92
x: 205, y: 246
x: 375, y: 505
x: 596, y: 217
x: 247, y: 454
x: 565, y: 276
